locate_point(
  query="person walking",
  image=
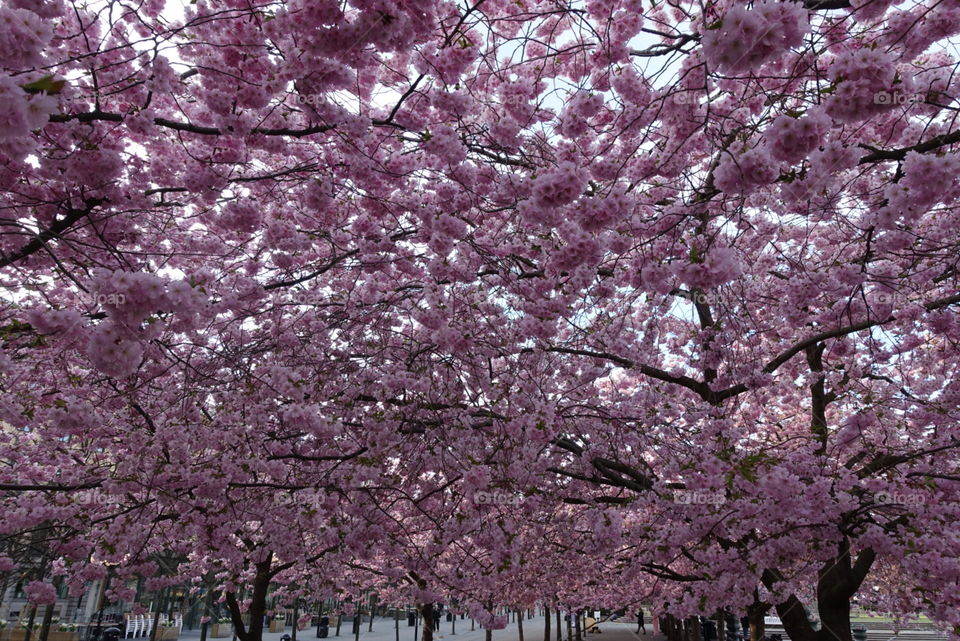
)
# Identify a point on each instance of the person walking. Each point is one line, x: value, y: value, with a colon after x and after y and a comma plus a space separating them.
x: 641, y: 624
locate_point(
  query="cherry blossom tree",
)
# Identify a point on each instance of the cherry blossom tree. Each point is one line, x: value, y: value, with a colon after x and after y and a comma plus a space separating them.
x: 683, y: 272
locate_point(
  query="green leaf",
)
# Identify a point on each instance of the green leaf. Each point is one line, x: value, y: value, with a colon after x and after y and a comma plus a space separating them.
x: 46, y: 85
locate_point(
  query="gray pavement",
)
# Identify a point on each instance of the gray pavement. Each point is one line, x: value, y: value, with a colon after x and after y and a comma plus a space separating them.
x: 881, y: 632
x: 384, y: 630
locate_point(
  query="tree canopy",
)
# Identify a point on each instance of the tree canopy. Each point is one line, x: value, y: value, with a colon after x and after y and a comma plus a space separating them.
x: 505, y: 302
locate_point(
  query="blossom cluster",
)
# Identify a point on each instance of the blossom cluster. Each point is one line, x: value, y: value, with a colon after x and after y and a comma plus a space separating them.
x: 23, y: 35
x: 867, y: 82
x: 21, y: 113
x: 746, y: 38
x: 552, y: 190
x: 746, y: 171
x: 791, y: 139
x: 786, y: 141
x: 927, y: 180
x: 115, y: 345
x: 576, y: 115
x: 25, y: 32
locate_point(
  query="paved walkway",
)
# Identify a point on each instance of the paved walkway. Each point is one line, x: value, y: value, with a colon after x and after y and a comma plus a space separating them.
x: 384, y: 630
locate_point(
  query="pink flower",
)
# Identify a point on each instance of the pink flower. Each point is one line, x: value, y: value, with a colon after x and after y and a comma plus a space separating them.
x: 113, y: 352
x: 241, y: 216
x: 790, y: 139
x: 444, y: 143
x: 14, y: 120
x: 743, y: 173
x: 868, y: 83
x: 23, y: 35
x: 579, y: 110
x: 559, y: 186
x: 746, y: 38
x: 40, y: 593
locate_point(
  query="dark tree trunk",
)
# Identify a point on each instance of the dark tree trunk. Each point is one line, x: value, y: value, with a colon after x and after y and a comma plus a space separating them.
x: 47, y: 620
x: 546, y: 624
x: 33, y: 617
x: 839, y: 579
x: 258, y: 604
x: 373, y: 605
x: 154, y: 631
x: 755, y: 615
x: 3, y: 587
x: 296, y: 617
x: 559, y: 626
x: 520, y: 625
x: 427, y: 612
x: 837, y: 583
x: 207, y: 607
x: 835, y: 619
x: 319, y: 616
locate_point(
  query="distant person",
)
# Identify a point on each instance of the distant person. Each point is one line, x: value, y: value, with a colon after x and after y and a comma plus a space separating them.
x: 641, y: 624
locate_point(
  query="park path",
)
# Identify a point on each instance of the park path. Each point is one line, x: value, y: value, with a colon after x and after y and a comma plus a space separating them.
x: 384, y: 630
